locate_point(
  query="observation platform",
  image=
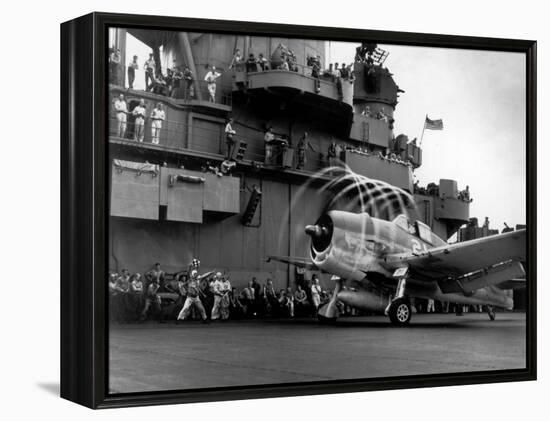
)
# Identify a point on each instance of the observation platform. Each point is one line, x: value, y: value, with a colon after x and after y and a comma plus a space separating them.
x: 299, y: 92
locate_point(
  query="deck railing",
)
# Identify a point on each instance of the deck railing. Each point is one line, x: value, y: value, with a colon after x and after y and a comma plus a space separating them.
x: 175, y: 134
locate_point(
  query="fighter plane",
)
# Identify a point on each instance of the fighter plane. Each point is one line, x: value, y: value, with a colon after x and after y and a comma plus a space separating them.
x: 380, y: 265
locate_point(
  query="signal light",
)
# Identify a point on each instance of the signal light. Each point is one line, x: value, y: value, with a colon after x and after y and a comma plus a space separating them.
x: 253, y: 203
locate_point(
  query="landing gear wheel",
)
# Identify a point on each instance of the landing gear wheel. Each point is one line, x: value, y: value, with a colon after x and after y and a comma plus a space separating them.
x: 400, y: 312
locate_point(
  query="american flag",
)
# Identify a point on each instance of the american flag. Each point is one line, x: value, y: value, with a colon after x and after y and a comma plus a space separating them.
x: 433, y: 124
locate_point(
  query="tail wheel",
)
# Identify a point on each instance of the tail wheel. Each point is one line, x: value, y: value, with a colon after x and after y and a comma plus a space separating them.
x: 400, y: 312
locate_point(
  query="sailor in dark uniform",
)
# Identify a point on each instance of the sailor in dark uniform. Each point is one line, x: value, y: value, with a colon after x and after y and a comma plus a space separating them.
x: 301, y: 156
x: 157, y: 274
x: 152, y: 299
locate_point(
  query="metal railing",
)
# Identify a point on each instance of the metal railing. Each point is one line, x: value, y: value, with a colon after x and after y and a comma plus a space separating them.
x: 223, y: 91
x: 186, y: 92
x: 212, y: 140
x: 223, y: 95
x: 432, y: 189
x: 324, y: 74
x: 175, y: 134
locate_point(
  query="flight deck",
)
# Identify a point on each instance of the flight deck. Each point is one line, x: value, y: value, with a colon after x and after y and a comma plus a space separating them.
x: 152, y: 357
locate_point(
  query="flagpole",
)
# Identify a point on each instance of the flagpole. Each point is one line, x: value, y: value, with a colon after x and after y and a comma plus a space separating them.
x: 423, y: 128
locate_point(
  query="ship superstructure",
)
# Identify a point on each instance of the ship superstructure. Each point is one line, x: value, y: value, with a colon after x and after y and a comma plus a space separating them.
x: 171, y: 202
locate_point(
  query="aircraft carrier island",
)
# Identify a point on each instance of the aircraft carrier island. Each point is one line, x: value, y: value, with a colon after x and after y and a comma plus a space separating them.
x: 243, y: 157
x: 232, y: 222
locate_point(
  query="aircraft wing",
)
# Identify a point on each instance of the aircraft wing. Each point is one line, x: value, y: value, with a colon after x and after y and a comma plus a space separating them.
x: 302, y: 262
x: 458, y: 259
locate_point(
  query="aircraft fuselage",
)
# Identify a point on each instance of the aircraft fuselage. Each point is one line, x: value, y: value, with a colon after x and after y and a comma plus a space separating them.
x: 354, y: 247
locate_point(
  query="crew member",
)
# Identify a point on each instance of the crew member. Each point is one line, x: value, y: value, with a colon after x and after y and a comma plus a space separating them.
x: 149, y: 66
x: 236, y: 308
x: 262, y: 62
x: 336, y: 72
x: 192, y: 299
x: 251, y: 64
x: 218, y: 294
x: 210, y: 79
x: 189, y: 78
x: 286, y: 301
x: 258, y: 296
x: 248, y: 299
x: 382, y: 115
x: 114, y: 302
x: 315, y: 73
x: 300, y: 300
x: 316, y: 67
x: 332, y: 154
x: 177, y: 77
x: 132, y: 67
x: 156, y: 274
x: 269, y: 137
x: 152, y: 299
x: 181, y: 289
x: 123, y: 281
x: 121, y: 110
x: 227, y: 166
x: 157, y: 117
x: 344, y: 71
x: 114, y: 61
x: 315, y: 293
x: 158, y: 85
x: 206, y: 293
x: 269, y: 296
x: 301, y: 156
x: 229, y: 141
x: 236, y: 61
x: 226, y: 297
x: 136, y: 293
x: 337, y: 75
x: 123, y: 288
x: 139, y: 122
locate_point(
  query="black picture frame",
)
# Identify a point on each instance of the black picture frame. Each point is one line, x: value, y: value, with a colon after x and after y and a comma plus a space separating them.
x: 84, y: 176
